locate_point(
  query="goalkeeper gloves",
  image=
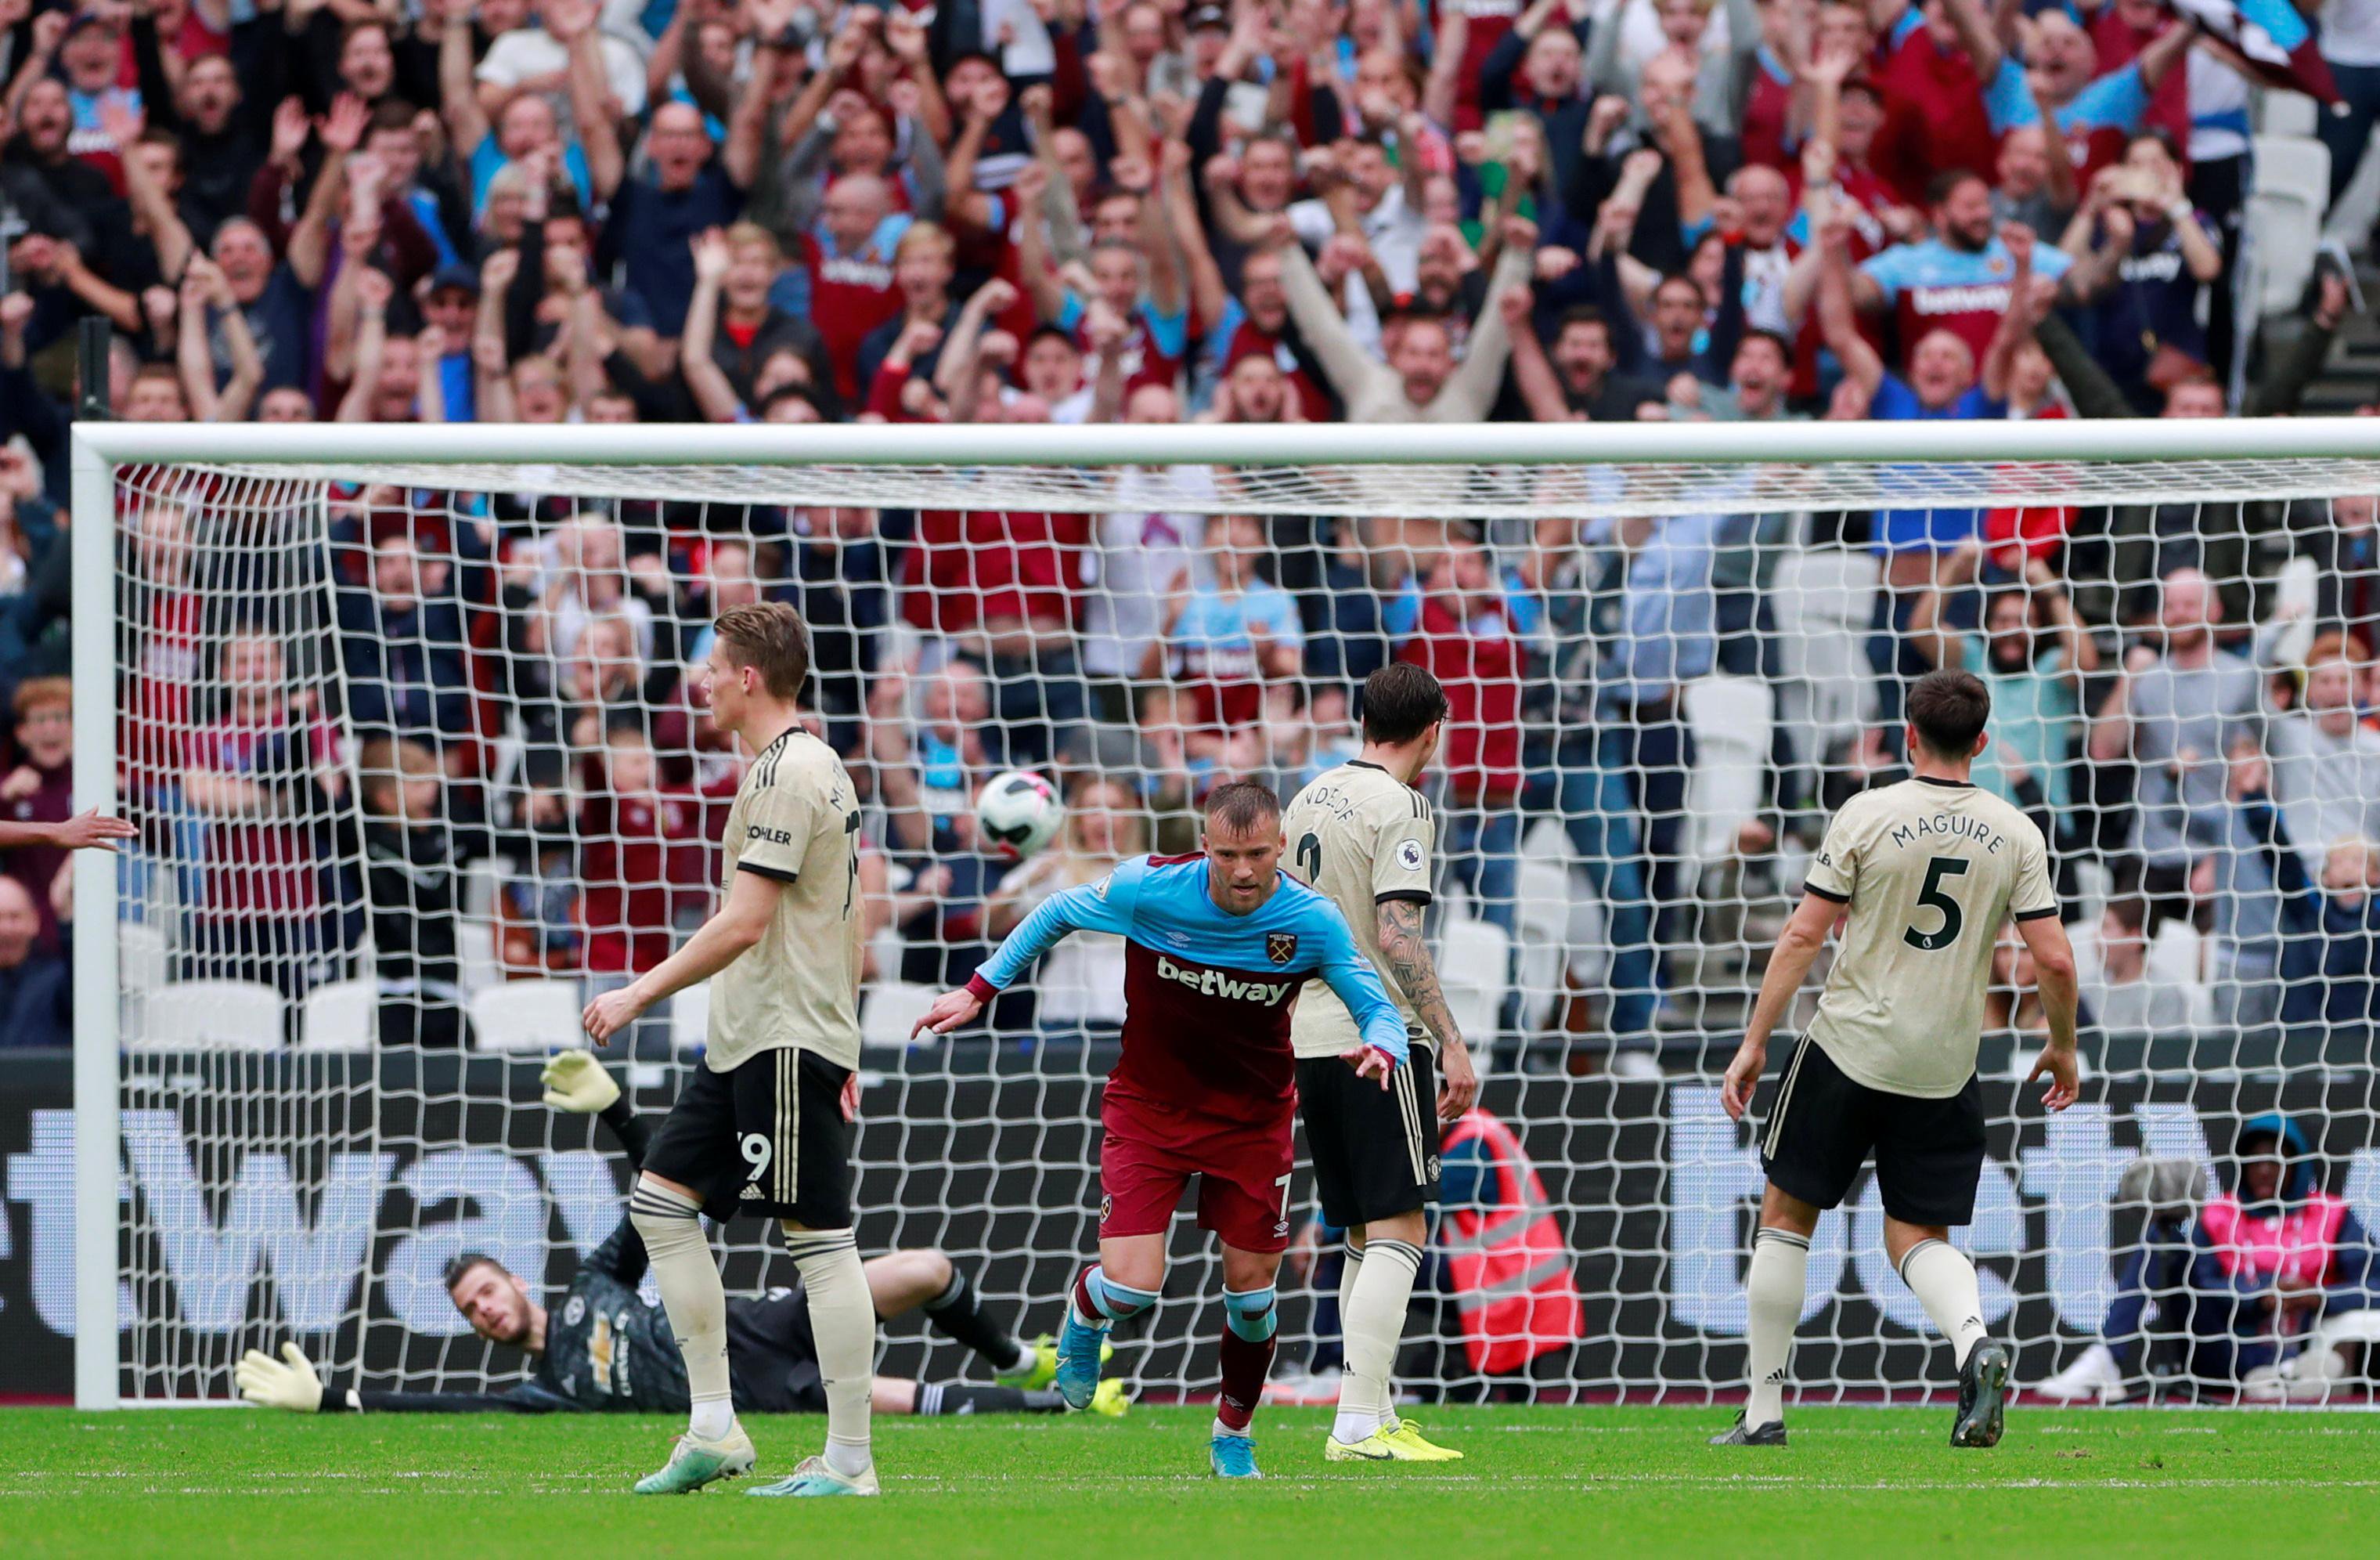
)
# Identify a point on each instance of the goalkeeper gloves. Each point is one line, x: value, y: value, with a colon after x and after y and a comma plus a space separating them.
x: 576, y: 1082
x: 272, y: 1383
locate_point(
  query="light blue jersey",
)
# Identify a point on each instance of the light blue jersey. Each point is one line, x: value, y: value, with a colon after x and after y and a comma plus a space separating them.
x: 1208, y: 994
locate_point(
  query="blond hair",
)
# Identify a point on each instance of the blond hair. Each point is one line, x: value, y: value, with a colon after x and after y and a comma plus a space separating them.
x: 771, y: 637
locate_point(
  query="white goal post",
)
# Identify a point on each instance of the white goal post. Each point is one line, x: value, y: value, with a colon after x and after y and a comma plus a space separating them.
x: 1505, y: 478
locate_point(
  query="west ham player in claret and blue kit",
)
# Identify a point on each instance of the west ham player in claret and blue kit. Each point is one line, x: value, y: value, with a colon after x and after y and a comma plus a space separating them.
x: 1217, y: 947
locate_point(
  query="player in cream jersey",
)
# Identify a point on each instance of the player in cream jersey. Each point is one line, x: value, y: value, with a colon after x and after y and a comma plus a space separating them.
x: 1937, y: 865
x: 1922, y: 876
x: 1362, y: 835
x: 764, y: 1125
x: 796, y: 823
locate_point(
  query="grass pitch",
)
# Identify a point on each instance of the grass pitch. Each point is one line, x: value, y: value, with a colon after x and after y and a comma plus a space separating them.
x: 1593, y: 1482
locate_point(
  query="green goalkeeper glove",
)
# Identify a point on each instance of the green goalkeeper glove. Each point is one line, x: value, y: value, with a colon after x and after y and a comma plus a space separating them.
x: 272, y: 1383
x: 576, y: 1082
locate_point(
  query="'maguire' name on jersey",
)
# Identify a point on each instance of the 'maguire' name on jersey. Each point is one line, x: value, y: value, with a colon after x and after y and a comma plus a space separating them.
x: 1930, y: 869
x: 794, y: 821
x: 1361, y: 838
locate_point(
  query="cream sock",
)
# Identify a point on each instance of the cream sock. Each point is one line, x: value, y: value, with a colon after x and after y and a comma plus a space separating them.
x: 842, y: 1319
x: 687, y: 1274
x: 1372, y: 1321
x: 1349, y: 1270
x: 1773, y: 1286
x: 1944, y: 1282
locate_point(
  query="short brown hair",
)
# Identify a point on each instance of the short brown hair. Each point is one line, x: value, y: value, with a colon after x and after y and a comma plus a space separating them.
x: 2338, y: 644
x: 1242, y: 807
x: 392, y: 113
x: 1401, y: 701
x: 1950, y: 708
x: 43, y: 693
x: 769, y: 636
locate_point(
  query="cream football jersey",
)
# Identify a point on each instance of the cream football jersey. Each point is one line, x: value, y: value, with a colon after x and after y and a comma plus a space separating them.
x: 1360, y: 837
x: 1930, y: 870
x: 795, y: 820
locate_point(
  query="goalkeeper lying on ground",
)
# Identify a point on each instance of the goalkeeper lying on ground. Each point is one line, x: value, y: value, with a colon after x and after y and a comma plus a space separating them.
x: 605, y: 1349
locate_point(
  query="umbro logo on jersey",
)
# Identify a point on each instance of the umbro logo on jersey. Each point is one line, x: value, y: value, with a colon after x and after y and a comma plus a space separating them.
x: 1280, y: 946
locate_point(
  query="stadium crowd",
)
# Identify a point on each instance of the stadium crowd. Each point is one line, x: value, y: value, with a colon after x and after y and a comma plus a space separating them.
x: 1049, y: 212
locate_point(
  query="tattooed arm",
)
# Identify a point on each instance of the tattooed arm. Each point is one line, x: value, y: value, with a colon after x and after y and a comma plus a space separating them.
x: 1406, y: 955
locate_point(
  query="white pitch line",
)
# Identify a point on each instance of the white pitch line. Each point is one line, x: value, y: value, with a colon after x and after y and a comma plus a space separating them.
x: 1839, y: 1432
x: 934, y: 1484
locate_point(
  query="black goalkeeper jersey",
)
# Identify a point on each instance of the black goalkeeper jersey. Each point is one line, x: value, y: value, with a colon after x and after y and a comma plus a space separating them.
x: 608, y: 1351
x: 605, y: 1346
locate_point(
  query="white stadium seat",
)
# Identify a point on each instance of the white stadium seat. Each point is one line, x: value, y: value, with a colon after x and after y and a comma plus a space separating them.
x: 1730, y: 718
x: 690, y: 1017
x: 341, y: 1015
x: 890, y: 1009
x: 185, y: 1015
x: 1472, y: 965
x: 527, y: 1015
x: 2284, y: 217
x: 2287, y: 231
x: 475, y: 947
x: 1545, y: 895
x: 140, y: 959
x: 1822, y: 602
x: 2294, y: 165
x: 483, y: 878
x: 2284, y: 113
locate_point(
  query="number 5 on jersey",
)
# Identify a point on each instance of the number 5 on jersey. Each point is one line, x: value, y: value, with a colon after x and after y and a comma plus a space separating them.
x: 1933, y: 897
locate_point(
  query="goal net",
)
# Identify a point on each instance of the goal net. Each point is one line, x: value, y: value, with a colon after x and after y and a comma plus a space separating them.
x: 406, y: 720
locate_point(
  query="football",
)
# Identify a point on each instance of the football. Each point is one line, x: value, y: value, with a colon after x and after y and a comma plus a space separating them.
x: 1016, y: 813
